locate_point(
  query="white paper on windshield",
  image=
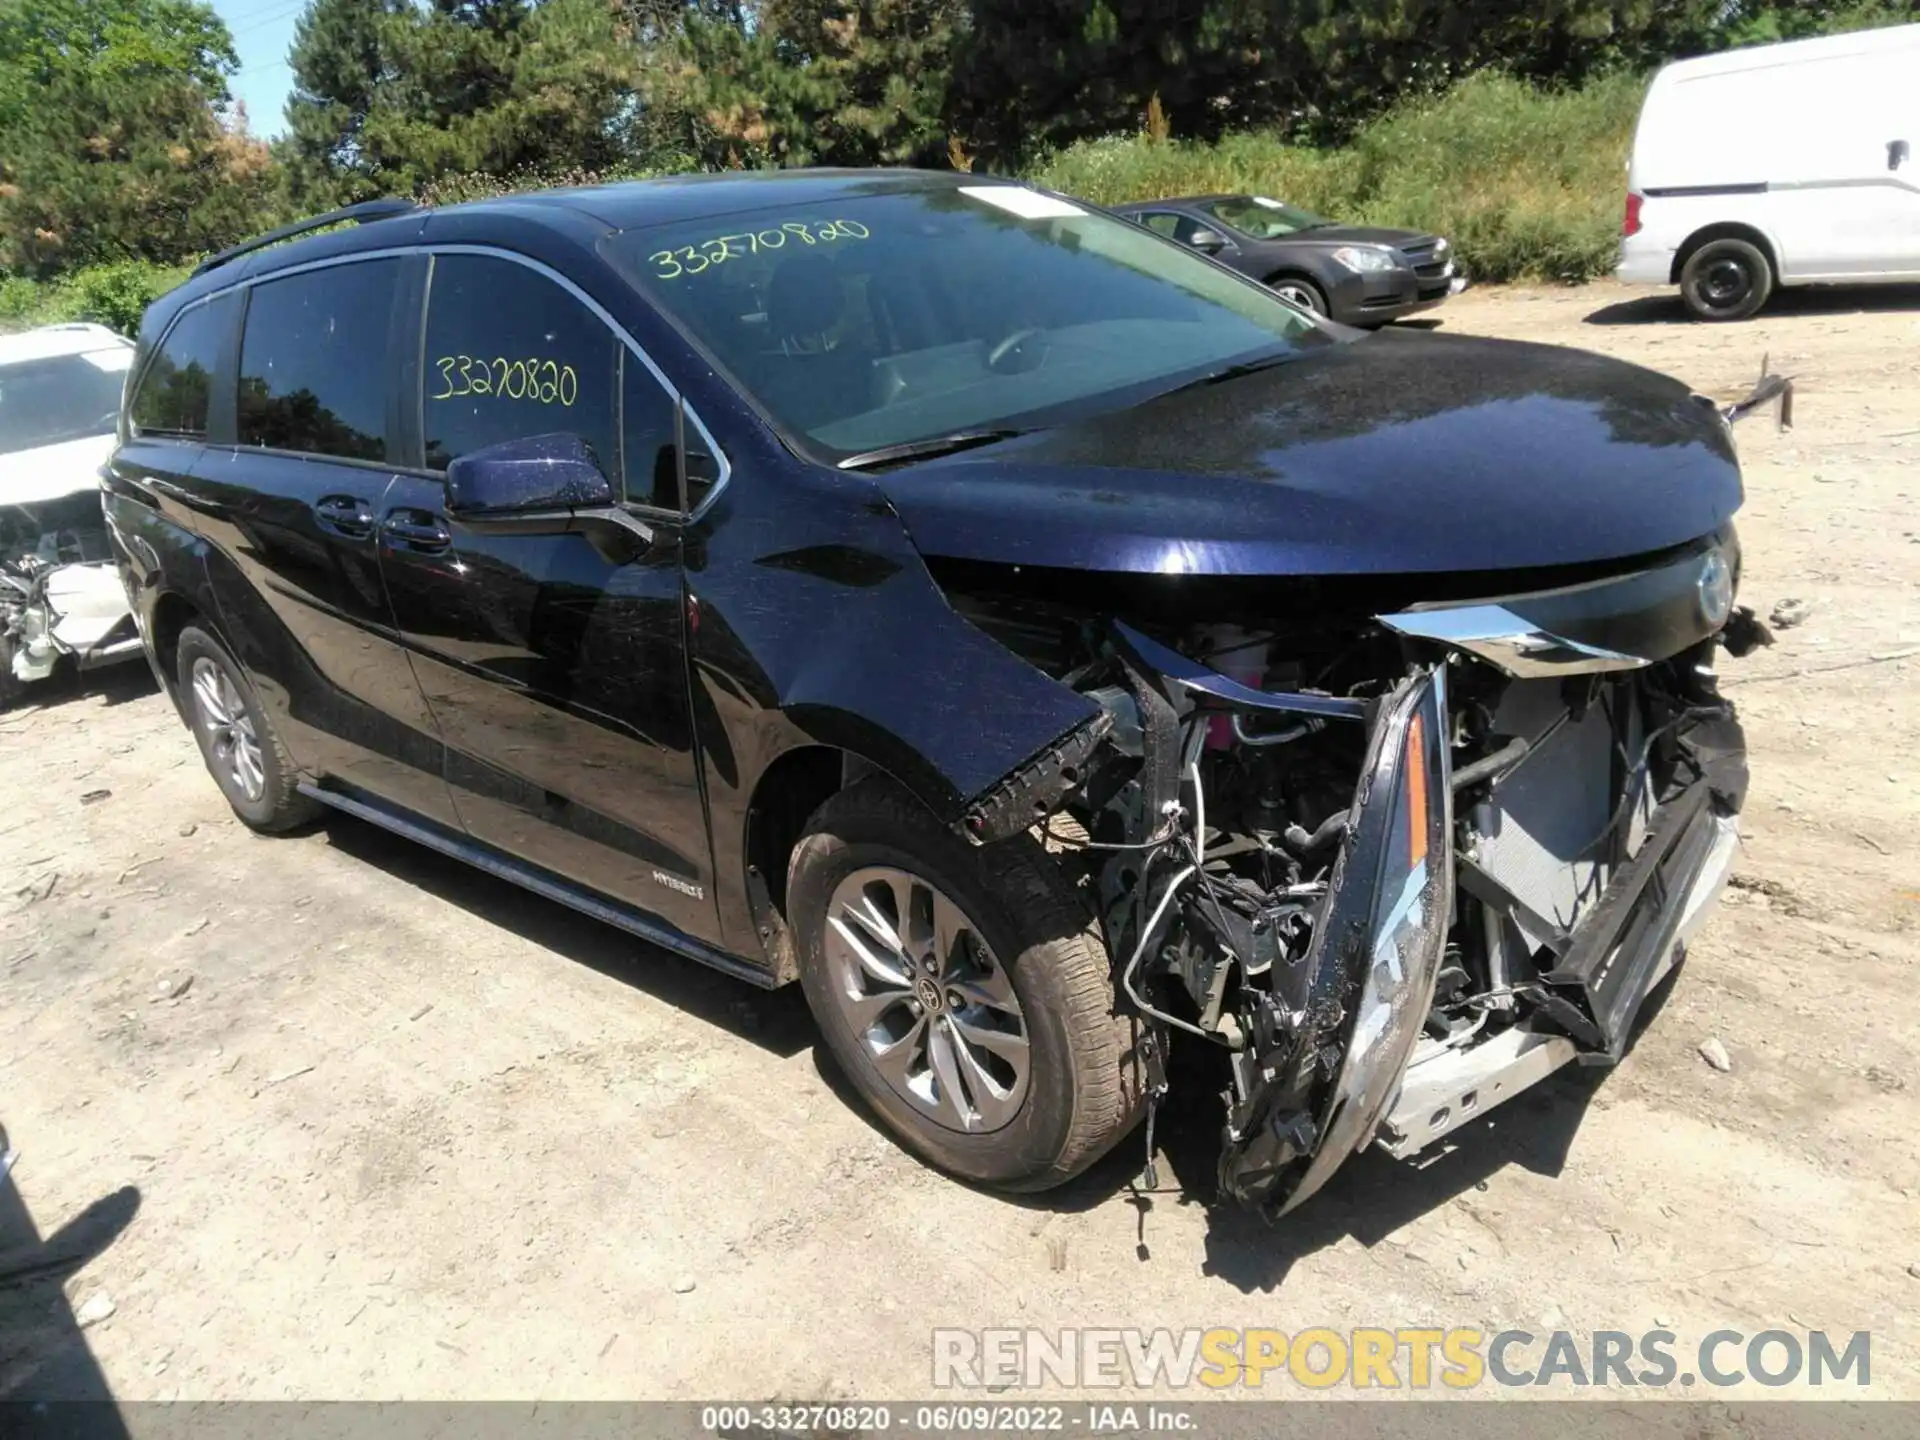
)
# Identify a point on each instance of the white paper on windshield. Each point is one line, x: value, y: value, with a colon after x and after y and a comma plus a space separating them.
x: 1270, y: 204
x: 112, y: 361
x: 1017, y: 200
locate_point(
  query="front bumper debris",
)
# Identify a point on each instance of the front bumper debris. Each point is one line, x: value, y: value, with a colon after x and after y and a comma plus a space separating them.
x: 1444, y: 1088
x: 68, y: 610
x: 1377, y: 952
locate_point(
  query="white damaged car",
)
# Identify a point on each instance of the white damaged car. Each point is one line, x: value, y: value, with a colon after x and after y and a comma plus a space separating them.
x: 60, y: 594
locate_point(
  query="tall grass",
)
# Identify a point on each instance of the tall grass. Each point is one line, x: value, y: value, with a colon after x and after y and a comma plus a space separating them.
x: 1527, y: 183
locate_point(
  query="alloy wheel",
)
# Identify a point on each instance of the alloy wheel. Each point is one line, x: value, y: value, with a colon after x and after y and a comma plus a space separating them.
x: 230, y: 732
x: 927, y: 998
x: 1299, y: 295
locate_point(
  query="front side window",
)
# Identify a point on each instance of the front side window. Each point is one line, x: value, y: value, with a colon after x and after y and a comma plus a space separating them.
x: 510, y: 354
x: 63, y: 397
x: 901, y: 313
x: 313, y: 361
x: 174, y: 391
x: 1162, y: 222
x: 1264, y: 218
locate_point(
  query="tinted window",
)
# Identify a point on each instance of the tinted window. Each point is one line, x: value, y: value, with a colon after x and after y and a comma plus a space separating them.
x: 1161, y: 222
x: 313, y: 361
x: 895, y: 315
x: 174, y: 390
x: 647, y: 425
x: 64, y: 397
x: 1264, y: 219
x: 511, y: 354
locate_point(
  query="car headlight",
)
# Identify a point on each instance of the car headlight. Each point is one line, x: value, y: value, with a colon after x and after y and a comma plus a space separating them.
x: 1366, y: 259
x: 1715, y: 586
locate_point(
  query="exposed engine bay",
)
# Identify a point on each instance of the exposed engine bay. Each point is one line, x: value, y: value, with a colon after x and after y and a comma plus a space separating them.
x: 60, y: 592
x: 1392, y: 866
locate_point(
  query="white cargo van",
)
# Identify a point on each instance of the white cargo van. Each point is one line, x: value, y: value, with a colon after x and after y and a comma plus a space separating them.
x: 1785, y: 164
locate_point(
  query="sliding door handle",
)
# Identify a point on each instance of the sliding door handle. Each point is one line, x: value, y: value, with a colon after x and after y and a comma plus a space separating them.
x: 417, y: 530
x: 347, y: 515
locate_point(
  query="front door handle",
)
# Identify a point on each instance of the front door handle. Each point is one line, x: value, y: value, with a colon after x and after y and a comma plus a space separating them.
x: 417, y: 529
x: 347, y: 515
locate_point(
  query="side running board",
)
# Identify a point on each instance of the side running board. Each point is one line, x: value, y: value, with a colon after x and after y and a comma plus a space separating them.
x: 551, y: 887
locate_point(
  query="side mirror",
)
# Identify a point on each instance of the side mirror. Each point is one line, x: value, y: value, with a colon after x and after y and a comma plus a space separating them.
x: 539, y: 473
x: 1898, y: 153
x: 1209, y: 242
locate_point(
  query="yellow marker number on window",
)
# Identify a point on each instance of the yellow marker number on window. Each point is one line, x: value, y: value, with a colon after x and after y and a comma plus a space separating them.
x: 541, y: 381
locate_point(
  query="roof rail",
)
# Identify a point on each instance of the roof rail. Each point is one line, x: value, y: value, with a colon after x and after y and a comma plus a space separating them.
x: 364, y: 213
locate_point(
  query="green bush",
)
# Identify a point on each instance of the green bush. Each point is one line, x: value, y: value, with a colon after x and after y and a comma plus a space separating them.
x: 114, y: 295
x: 117, y: 295
x: 19, y: 298
x: 1527, y: 183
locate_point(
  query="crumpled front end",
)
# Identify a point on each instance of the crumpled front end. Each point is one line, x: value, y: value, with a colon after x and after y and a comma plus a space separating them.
x: 1384, y: 871
x: 60, y: 592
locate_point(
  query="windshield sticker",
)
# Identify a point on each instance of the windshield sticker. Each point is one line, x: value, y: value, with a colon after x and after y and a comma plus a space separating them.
x: 1018, y: 200
x: 115, y: 361
x: 545, y: 382
x: 1269, y: 204
x: 705, y: 254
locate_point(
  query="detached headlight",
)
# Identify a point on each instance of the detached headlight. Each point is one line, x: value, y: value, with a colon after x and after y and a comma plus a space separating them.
x: 1366, y: 260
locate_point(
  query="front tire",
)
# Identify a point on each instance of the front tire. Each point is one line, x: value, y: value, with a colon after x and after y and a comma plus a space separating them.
x: 1726, y: 280
x: 963, y: 990
x: 1301, y: 291
x: 243, y: 751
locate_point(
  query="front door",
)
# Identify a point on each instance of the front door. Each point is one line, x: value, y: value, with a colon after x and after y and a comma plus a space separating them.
x: 555, y: 665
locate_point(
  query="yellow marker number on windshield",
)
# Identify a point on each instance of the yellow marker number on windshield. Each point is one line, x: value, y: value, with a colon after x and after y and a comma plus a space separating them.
x: 696, y: 258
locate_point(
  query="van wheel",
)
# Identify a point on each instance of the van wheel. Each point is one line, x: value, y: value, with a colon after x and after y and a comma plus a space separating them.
x: 1726, y: 280
x: 242, y: 749
x: 963, y: 990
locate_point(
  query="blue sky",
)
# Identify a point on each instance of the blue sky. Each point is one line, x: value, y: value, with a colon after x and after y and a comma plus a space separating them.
x: 262, y: 33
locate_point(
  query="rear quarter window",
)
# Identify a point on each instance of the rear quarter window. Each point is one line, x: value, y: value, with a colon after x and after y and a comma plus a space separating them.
x: 177, y: 385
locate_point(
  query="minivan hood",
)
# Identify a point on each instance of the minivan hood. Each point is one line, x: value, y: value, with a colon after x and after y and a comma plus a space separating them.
x: 1399, y: 453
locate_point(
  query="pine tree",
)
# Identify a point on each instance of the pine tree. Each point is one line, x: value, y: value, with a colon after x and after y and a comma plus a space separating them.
x: 389, y: 97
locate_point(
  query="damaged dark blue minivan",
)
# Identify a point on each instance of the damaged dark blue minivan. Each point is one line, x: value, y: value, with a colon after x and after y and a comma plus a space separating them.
x: 1050, y: 648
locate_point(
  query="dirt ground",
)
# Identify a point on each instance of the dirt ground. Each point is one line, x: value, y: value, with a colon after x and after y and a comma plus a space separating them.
x: 406, y: 1132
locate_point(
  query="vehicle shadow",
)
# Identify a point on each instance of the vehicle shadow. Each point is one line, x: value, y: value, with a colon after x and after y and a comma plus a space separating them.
x: 111, y: 684
x: 1368, y: 1199
x: 776, y: 1021
x: 1665, y: 308
x: 45, y: 1357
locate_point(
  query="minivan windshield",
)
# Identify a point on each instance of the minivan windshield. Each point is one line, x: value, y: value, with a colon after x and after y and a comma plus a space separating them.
x: 61, y: 397
x: 1264, y: 218
x: 895, y: 317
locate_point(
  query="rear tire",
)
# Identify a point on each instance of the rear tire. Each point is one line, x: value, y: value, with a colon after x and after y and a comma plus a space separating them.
x: 1726, y: 279
x: 994, y: 946
x: 243, y: 751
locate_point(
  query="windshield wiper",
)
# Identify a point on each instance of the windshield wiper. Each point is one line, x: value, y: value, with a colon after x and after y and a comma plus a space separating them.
x: 927, y: 449
x: 1232, y: 372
